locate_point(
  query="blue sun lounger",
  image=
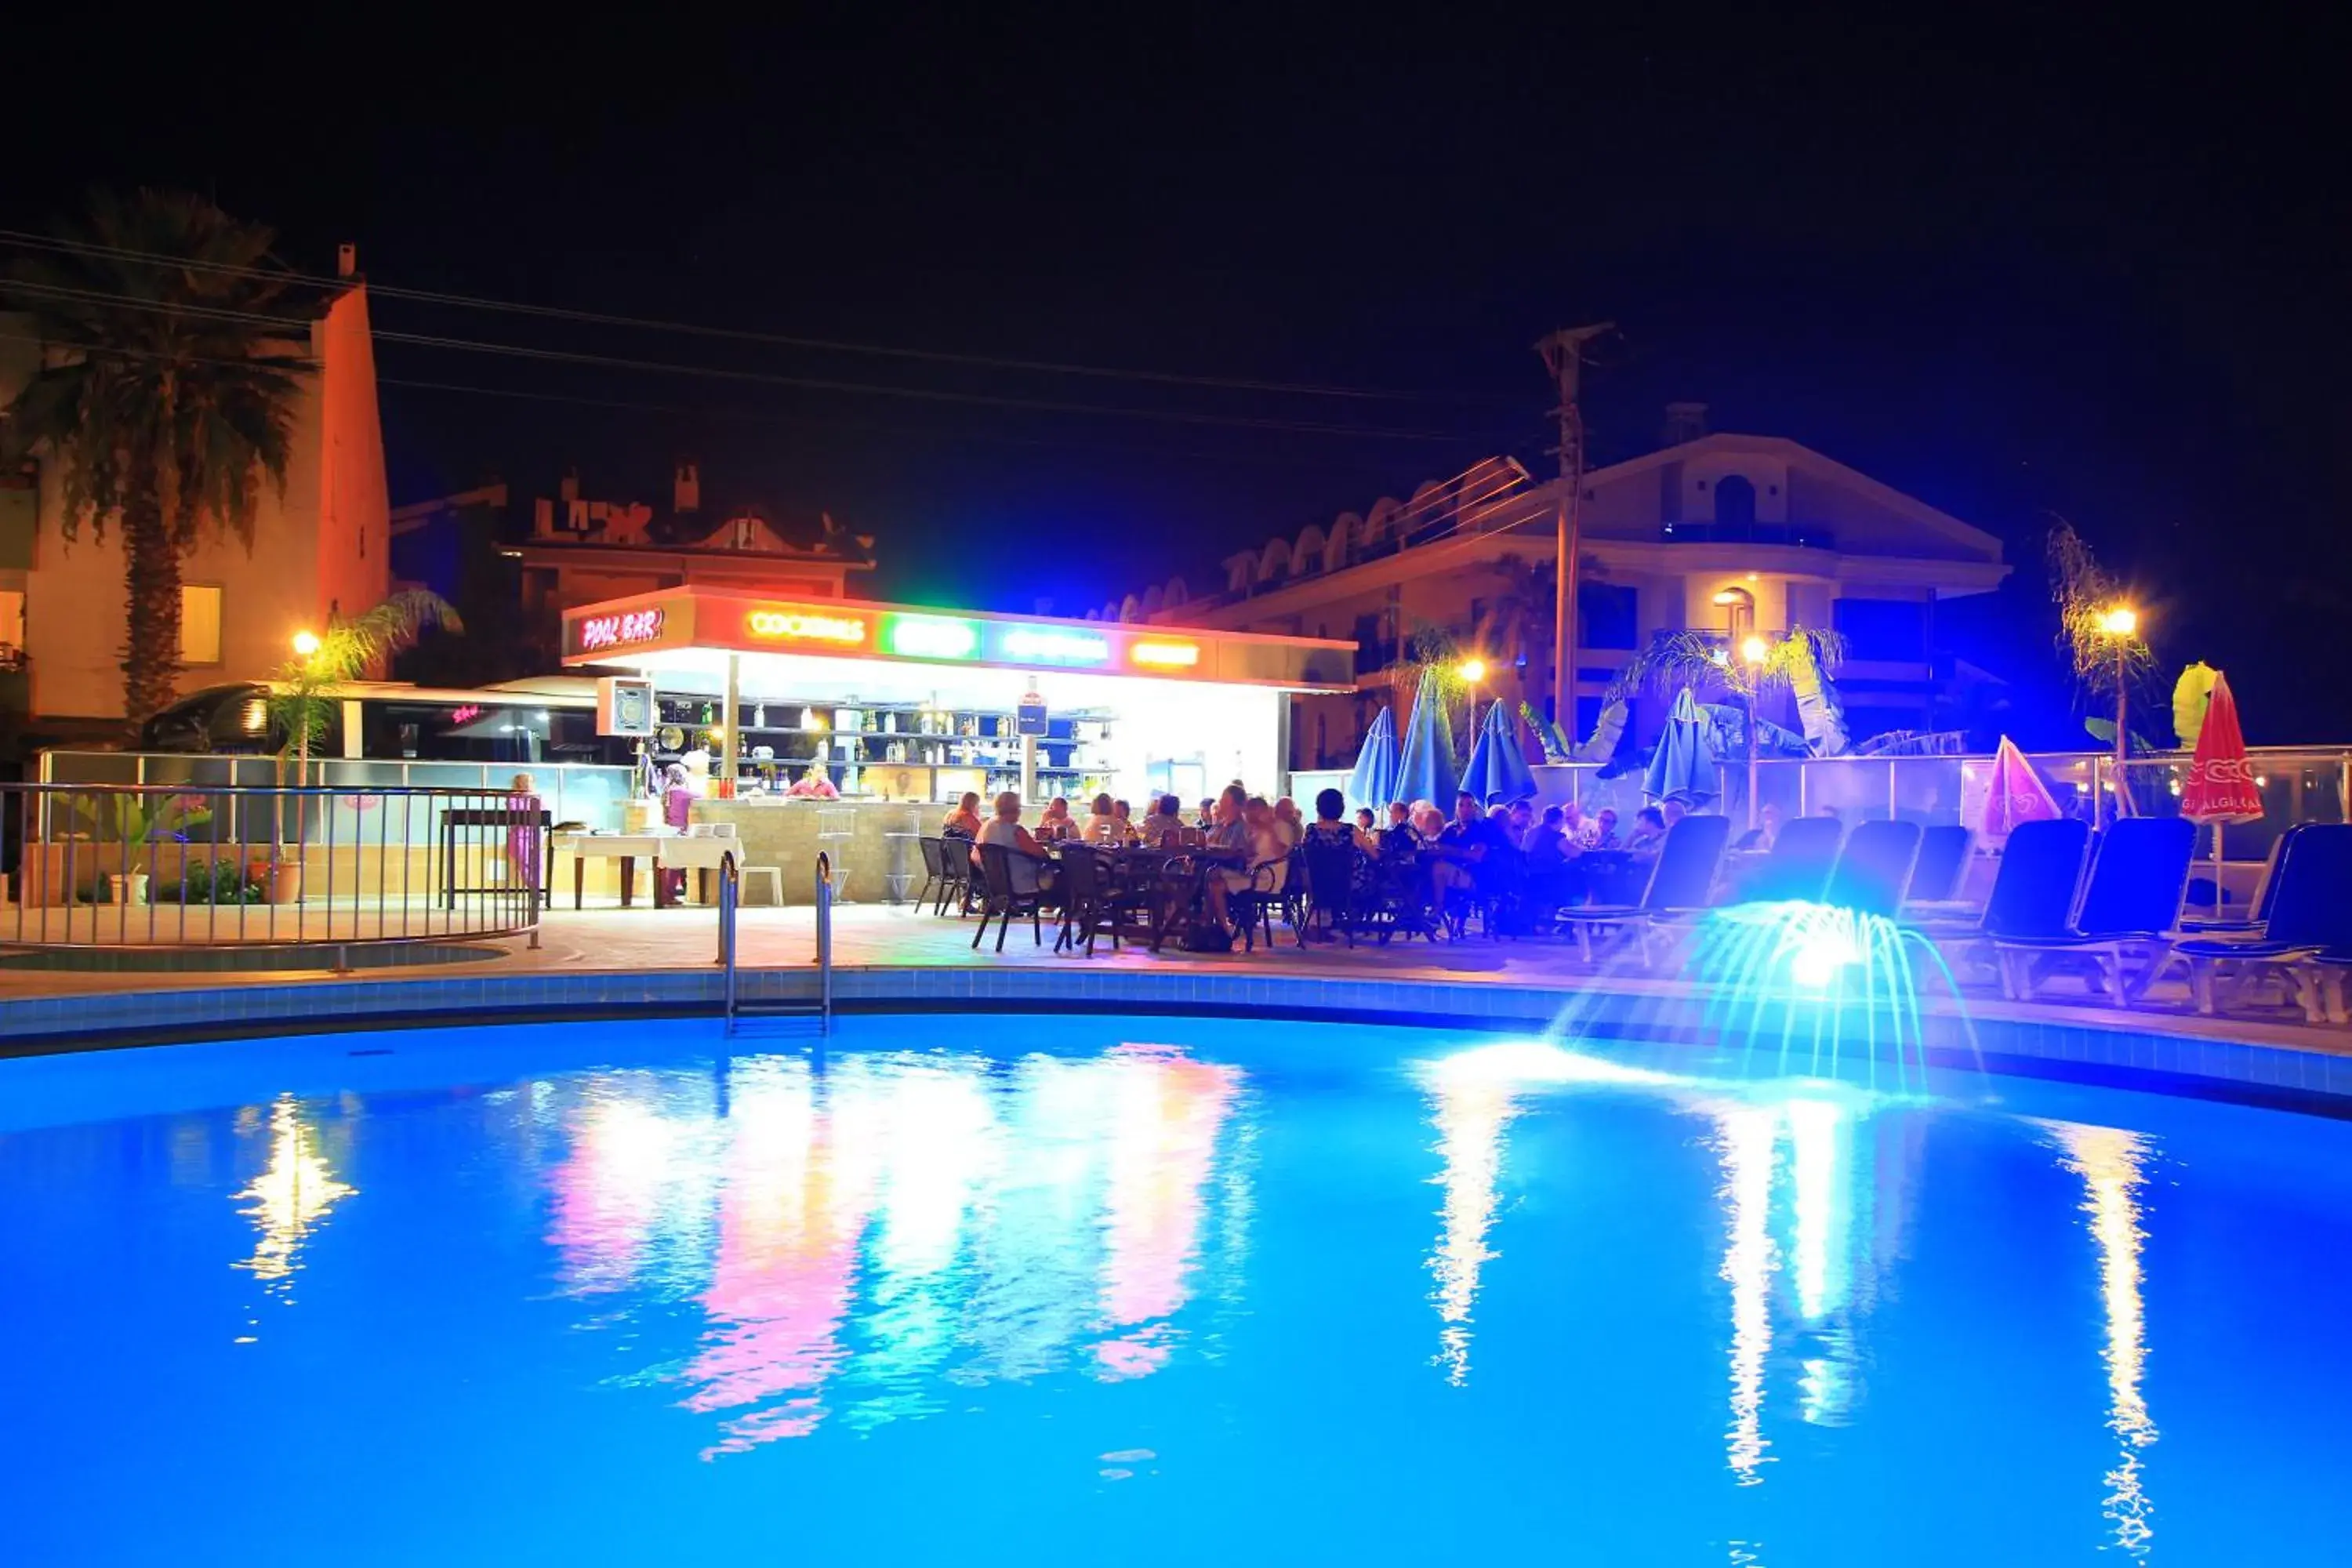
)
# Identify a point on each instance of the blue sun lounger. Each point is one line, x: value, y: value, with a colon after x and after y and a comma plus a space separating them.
x: 2130, y: 907
x: 1680, y: 880
x: 2306, y: 936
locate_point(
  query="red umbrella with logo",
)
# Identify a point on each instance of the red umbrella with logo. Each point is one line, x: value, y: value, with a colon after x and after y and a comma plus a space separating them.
x: 2220, y: 787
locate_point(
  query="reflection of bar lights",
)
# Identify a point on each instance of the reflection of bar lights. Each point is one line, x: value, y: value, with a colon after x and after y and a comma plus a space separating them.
x: 805, y: 626
x: 1166, y: 655
x: 932, y: 636
x: 1057, y: 648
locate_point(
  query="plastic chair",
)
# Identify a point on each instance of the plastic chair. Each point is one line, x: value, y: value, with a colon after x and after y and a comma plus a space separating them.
x: 2309, y: 919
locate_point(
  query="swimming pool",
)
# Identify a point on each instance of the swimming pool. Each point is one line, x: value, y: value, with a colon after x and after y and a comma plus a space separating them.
x: 1149, y: 1290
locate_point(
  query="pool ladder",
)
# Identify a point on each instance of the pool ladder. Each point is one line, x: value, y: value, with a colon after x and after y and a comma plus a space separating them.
x: 730, y: 893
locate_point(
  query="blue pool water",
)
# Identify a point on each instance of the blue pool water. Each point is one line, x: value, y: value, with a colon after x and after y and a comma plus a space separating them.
x: 1098, y: 1291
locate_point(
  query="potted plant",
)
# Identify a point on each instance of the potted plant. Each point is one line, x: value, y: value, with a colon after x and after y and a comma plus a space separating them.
x: 301, y: 706
x: 140, y: 820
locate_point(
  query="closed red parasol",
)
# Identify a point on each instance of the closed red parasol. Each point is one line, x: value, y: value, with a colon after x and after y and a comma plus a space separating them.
x: 2221, y: 786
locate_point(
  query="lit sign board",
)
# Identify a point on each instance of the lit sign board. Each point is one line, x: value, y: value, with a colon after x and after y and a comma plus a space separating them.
x: 783, y: 624
x: 1166, y: 655
x: 931, y: 637
x: 1055, y: 645
x: 620, y: 631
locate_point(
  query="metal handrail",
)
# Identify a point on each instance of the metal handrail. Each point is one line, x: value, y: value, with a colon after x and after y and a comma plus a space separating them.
x: 730, y: 888
x: 730, y: 899
x: 823, y: 942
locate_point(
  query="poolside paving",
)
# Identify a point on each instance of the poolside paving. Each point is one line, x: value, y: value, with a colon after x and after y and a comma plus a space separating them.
x: 876, y: 940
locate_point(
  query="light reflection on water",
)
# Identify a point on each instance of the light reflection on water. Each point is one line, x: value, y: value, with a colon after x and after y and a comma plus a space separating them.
x: 2111, y: 1164
x: 857, y: 1238
x: 289, y: 1197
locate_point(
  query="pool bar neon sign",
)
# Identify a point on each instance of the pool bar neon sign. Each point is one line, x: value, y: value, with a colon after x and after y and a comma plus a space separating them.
x: 623, y: 630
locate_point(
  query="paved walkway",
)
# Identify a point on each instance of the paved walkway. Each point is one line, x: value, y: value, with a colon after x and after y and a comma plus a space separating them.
x: 881, y: 937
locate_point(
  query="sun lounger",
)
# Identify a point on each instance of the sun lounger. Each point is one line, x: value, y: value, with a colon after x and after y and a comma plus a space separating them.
x: 1939, y: 875
x: 2307, y: 933
x: 1874, y: 867
x: 1679, y: 881
x: 1799, y: 864
x: 2140, y: 872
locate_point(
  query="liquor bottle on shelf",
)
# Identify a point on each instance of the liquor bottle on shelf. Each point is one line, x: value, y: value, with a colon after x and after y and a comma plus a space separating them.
x: 759, y: 717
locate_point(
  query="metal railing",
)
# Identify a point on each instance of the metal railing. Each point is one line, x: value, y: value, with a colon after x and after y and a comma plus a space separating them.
x: 731, y: 892
x: 192, y: 866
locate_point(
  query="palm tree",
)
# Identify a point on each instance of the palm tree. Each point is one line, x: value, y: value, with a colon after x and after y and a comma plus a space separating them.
x: 1800, y: 663
x: 167, y: 396
x: 347, y: 650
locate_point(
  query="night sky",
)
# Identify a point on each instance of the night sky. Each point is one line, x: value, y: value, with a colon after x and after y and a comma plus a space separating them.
x: 2014, y: 266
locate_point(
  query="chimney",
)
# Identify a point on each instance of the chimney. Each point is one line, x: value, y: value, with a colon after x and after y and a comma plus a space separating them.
x: 347, y: 260
x: 685, y: 490
x: 1684, y: 422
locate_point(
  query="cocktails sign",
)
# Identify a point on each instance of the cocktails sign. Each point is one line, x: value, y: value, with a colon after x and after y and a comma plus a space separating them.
x: 798, y: 624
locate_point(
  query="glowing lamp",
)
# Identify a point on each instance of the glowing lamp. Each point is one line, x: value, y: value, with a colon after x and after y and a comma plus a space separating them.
x: 1753, y: 650
x: 2120, y: 622
x: 306, y: 643
x: 1474, y: 670
x: 1727, y: 598
x: 1166, y: 655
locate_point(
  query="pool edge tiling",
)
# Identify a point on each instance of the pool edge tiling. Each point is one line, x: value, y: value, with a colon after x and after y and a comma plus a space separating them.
x: 2163, y: 1049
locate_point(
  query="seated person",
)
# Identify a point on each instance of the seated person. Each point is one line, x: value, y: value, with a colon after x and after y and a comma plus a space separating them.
x: 1649, y: 831
x: 963, y: 819
x: 1102, y: 825
x: 1601, y: 832
x: 1123, y: 820
x: 1764, y: 835
x: 815, y: 783
x: 1268, y: 867
x: 1056, y: 822
x: 1024, y: 860
x: 1166, y: 818
x: 1368, y: 837
x: 1400, y: 839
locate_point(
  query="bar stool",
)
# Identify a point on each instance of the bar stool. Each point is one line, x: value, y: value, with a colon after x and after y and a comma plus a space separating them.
x: 836, y: 827
x: 901, y: 878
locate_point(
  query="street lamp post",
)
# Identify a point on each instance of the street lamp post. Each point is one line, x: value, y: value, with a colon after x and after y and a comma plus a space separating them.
x: 1473, y: 672
x: 2120, y: 623
x: 1752, y: 653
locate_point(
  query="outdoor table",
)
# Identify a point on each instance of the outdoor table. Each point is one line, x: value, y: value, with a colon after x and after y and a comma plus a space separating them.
x: 1191, y: 884
x: 625, y: 847
x: 701, y: 853
x: 506, y: 818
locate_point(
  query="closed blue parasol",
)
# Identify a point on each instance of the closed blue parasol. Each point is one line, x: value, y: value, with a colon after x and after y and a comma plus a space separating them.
x: 1683, y: 765
x: 1374, y: 781
x: 1498, y: 762
x: 1426, y: 769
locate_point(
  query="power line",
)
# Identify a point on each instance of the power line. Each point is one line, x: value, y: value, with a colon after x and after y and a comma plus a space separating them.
x: 877, y: 389
x: 768, y: 378
x: 829, y: 345
x: 779, y: 417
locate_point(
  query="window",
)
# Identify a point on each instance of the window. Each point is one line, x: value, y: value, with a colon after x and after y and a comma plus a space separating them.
x: 200, y: 623
x: 12, y: 625
x: 1894, y: 629
x: 1734, y: 508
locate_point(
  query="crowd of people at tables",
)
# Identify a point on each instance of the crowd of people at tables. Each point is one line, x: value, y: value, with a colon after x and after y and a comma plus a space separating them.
x: 1496, y: 854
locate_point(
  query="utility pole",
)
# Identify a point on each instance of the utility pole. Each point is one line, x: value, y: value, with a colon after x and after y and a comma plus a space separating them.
x: 1563, y: 355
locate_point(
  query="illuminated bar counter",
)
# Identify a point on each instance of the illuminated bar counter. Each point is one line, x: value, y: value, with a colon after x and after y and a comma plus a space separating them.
x: 901, y: 709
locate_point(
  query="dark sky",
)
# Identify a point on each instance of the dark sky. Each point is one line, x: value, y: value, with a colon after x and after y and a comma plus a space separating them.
x: 2015, y: 266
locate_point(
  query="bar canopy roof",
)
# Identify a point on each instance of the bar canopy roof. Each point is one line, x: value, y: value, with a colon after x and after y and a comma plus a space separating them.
x: 670, y: 628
